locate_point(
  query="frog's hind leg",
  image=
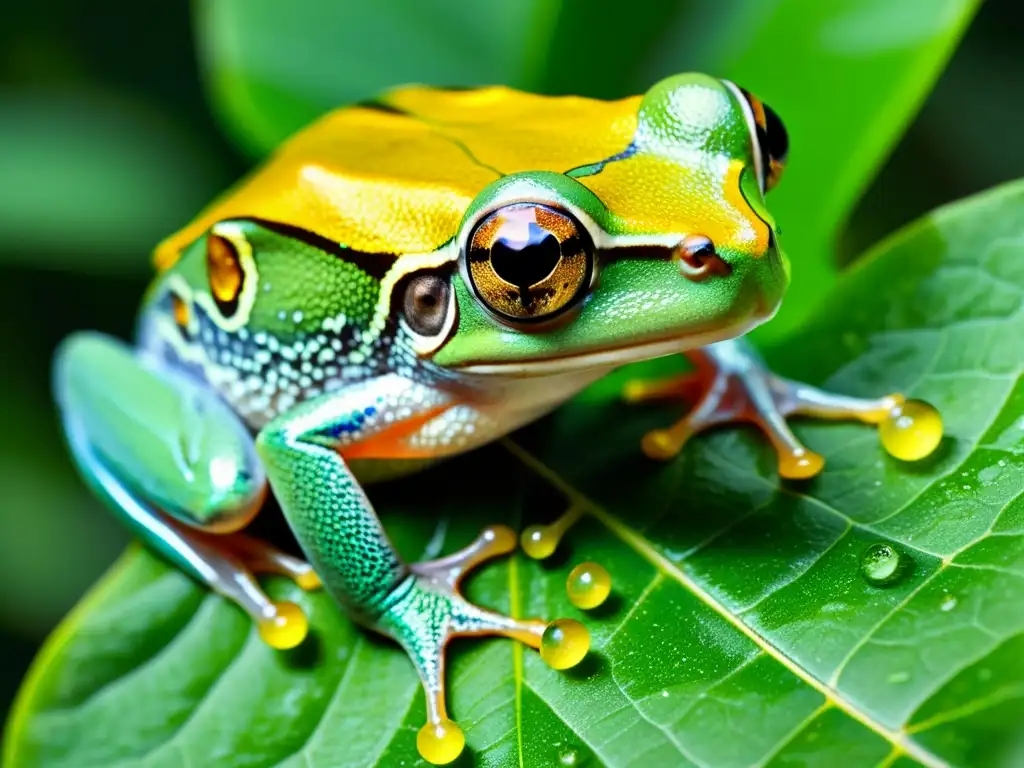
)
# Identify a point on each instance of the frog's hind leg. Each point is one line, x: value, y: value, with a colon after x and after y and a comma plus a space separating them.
x: 419, y: 605
x: 179, y: 468
x: 732, y: 384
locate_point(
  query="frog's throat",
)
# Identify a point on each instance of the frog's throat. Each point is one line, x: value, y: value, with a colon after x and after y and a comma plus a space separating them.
x: 614, y: 357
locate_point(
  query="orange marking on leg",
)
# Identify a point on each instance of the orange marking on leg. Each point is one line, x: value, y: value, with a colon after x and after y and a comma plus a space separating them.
x: 392, y: 442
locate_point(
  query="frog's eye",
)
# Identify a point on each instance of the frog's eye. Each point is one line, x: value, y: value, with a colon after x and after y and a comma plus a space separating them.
x: 224, y: 271
x: 428, y: 308
x: 529, y: 262
x: 771, y: 142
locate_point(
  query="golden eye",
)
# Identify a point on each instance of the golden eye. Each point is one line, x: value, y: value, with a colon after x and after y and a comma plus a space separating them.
x: 777, y: 141
x: 529, y: 262
x: 225, y: 273
x: 770, y: 139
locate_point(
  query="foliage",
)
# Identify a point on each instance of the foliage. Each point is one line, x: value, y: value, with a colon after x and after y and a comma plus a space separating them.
x: 740, y: 630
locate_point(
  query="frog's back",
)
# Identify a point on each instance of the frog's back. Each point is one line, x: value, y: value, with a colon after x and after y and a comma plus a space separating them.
x: 396, y: 175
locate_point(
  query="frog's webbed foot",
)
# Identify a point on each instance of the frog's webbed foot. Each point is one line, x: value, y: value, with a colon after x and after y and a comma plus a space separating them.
x: 228, y: 564
x: 179, y: 468
x: 428, y: 610
x: 420, y: 606
x: 260, y: 557
x: 731, y: 384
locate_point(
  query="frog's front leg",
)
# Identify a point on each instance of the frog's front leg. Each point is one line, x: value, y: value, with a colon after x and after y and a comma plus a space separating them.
x: 732, y: 384
x: 174, y: 462
x: 418, y: 605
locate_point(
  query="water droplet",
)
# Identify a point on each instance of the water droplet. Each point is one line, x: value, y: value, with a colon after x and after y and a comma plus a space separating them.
x: 948, y: 603
x: 664, y: 694
x: 538, y: 542
x: 911, y: 431
x: 588, y: 585
x: 568, y: 758
x: 898, y: 677
x: 882, y: 564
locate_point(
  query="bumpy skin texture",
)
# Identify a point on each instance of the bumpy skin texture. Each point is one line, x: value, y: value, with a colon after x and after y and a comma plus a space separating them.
x: 399, y: 175
x: 290, y: 305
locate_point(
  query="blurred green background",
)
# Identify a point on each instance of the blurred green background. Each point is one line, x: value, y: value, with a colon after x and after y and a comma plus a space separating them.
x: 108, y: 143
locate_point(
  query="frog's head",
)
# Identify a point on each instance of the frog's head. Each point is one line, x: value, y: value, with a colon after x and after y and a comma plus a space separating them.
x: 502, y: 232
x: 664, y: 246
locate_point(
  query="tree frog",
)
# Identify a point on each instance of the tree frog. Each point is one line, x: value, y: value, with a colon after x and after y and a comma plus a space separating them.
x: 412, y: 277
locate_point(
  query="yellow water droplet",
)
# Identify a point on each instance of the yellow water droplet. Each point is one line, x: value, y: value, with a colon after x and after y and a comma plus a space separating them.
x: 911, y: 431
x: 539, y: 541
x: 588, y: 585
x: 660, y: 445
x: 800, y: 465
x: 308, y: 580
x: 286, y: 629
x: 635, y: 391
x: 440, y: 743
x: 564, y: 643
x: 500, y: 538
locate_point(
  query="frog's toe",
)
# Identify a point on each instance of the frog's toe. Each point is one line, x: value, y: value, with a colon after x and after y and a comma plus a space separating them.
x: 282, y: 625
x: 429, y: 611
x: 228, y: 564
x: 731, y: 384
x: 261, y: 557
x: 541, y: 541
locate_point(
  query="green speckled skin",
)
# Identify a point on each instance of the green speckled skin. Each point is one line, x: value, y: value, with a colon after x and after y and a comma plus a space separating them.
x: 326, y: 506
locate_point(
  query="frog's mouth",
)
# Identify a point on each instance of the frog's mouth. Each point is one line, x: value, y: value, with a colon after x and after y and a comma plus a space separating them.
x: 612, y: 357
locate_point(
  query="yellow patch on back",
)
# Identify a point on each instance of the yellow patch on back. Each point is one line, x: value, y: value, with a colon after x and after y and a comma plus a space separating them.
x: 383, y: 181
x: 513, y: 131
x: 657, y: 194
x: 370, y: 180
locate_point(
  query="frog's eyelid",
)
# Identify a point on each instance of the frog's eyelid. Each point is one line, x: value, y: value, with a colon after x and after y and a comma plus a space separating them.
x: 533, y: 195
x: 601, y: 239
x: 748, y: 114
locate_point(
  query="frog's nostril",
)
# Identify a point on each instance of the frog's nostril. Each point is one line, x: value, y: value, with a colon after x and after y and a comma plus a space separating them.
x: 698, y: 260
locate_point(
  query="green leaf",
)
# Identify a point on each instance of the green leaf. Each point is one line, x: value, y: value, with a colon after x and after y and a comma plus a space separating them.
x: 273, y: 67
x: 740, y: 631
x: 92, y: 180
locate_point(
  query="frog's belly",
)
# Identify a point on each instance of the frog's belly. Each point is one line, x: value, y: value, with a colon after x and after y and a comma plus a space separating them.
x: 508, y: 405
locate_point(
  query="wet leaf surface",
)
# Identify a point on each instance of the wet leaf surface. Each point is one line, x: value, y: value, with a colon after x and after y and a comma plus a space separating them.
x: 740, y: 631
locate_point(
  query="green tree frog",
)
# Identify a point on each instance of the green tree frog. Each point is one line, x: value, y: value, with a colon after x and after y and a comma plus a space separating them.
x: 415, y: 276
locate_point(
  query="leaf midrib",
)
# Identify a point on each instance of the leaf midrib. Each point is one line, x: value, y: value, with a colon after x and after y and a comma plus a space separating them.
x: 899, y: 740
